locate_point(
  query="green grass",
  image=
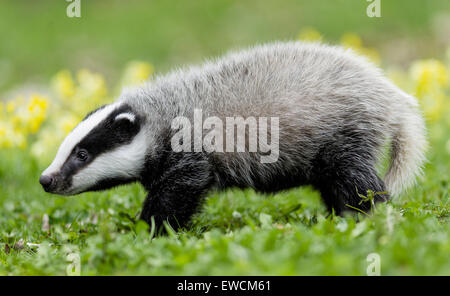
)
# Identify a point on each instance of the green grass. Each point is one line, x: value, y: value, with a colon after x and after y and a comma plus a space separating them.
x: 236, y: 232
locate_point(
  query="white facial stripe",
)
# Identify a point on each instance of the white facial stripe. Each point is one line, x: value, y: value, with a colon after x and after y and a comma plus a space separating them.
x: 76, y: 136
x: 123, y: 162
x: 130, y: 116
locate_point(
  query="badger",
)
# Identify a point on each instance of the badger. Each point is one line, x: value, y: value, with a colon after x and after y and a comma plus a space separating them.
x: 335, y: 115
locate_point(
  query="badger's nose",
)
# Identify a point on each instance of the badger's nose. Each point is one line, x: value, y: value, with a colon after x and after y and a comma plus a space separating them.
x: 46, y: 182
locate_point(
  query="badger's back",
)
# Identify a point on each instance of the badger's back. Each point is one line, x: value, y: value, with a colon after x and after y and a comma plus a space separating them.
x: 322, y: 95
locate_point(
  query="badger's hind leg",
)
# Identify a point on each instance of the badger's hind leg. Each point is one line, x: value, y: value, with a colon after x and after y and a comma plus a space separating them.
x: 345, y: 189
x: 344, y: 171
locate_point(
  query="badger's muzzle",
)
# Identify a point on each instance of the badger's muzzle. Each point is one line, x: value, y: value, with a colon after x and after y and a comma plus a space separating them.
x: 47, y: 182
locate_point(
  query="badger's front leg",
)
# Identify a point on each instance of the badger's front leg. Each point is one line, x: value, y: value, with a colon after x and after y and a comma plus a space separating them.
x: 177, y: 193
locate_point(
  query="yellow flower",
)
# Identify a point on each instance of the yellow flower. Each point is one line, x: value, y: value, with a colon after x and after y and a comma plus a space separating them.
x: 37, y: 112
x: 37, y: 101
x: 10, y: 107
x: 353, y: 41
x: 2, y: 130
x: 68, y: 123
x: 433, y: 106
x: 17, y: 121
x: 91, y: 92
x: 22, y: 119
x: 429, y: 76
x: 91, y: 84
x: 309, y: 34
x: 35, y: 123
x: 63, y: 84
x: 88, y: 91
x: 136, y: 72
x: 5, y: 139
x: 9, y: 138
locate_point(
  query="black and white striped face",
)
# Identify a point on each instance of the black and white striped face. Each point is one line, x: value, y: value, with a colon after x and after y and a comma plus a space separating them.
x: 106, y: 149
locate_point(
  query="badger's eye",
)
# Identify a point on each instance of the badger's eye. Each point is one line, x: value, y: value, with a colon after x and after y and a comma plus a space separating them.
x: 82, y: 155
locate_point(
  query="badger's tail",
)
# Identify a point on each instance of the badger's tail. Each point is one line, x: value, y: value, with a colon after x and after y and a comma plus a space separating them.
x: 408, y: 146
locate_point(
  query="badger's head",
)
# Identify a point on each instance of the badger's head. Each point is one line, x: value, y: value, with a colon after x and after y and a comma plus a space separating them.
x: 106, y: 149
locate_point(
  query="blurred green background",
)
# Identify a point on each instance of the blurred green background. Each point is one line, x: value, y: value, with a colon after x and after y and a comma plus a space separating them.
x: 38, y: 39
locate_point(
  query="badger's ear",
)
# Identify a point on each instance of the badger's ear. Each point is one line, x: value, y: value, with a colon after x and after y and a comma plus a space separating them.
x: 128, y: 116
x: 127, y: 121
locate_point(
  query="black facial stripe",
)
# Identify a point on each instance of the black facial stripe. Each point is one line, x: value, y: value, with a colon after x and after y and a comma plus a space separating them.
x: 110, y: 133
x: 106, y: 136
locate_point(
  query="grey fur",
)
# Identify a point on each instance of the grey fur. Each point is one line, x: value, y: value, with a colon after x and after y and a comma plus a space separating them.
x: 316, y: 90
